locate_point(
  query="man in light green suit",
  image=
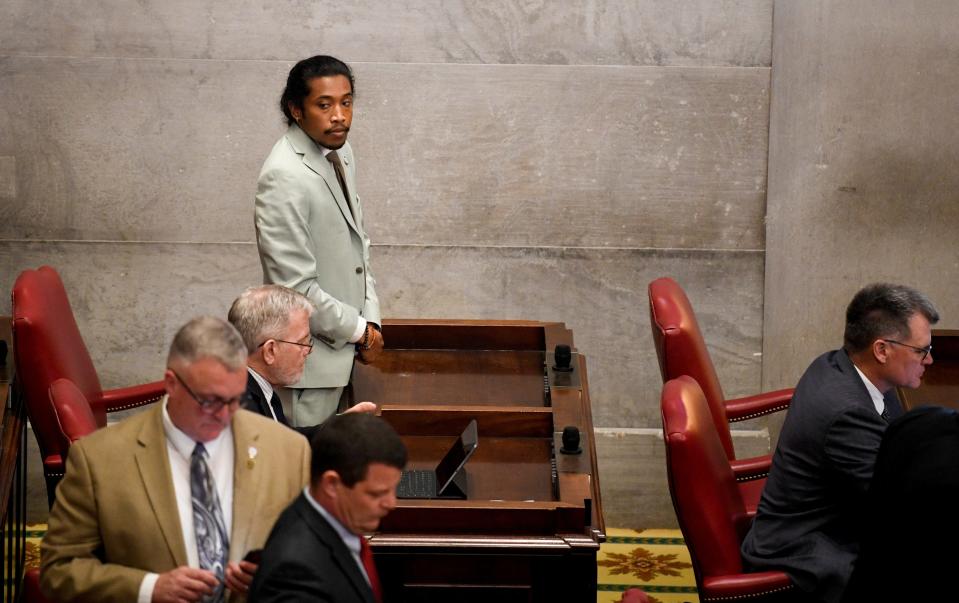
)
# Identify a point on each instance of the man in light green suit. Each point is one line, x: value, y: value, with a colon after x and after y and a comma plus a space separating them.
x: 310, y: 236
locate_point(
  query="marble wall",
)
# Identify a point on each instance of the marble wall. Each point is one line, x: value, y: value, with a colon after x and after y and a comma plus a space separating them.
x: 864, y: 143
x: 517, y: 159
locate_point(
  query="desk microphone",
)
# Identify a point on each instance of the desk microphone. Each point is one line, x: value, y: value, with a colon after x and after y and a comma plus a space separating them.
x: 562, y: 356
x: 571, y: 440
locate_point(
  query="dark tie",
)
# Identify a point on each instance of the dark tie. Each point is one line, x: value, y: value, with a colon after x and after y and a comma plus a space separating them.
x: 885, y: 413
x: 366, y: 556
x: 212, y: 540
x: 334, y: 158
x: 278, y: 409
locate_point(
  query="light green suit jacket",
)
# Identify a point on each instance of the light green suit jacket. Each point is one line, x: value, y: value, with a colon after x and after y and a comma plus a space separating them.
x: 115, y: 516
x: 309, y: 240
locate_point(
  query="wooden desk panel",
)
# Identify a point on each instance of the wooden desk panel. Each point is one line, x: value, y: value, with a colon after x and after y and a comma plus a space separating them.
x: 498, y: 470
x: 461, y: 377
x: 940, y: 382
x: 532, y: 523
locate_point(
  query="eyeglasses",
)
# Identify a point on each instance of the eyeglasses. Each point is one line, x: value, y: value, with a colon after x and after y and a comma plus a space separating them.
x: 302, y: 345
x: 923, y: 352
x: 213, y: 405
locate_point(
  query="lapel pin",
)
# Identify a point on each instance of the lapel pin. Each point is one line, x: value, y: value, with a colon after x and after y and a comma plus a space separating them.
x: 251, y: 456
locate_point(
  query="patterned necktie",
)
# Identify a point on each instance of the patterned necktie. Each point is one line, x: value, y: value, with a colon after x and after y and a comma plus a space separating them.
x: 366, y: 556
x: 334, y: 158
x: 212, y: 540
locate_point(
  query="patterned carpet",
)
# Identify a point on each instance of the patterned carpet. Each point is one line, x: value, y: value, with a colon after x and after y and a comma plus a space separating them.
x: 655, y: 560
x: 34, y: 533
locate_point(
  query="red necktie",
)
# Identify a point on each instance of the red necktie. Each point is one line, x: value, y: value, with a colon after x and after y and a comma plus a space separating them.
x: 366, y: 556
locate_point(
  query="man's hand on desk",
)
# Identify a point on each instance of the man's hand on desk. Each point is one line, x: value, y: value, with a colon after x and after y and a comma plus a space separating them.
x: 373, y: 347
x: 184, y: 584
x: 239, y: 576
x: 365, y: 407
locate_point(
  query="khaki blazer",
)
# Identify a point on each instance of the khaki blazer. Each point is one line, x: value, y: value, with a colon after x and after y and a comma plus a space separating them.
x: 311, y: 238
x: 115, y: 517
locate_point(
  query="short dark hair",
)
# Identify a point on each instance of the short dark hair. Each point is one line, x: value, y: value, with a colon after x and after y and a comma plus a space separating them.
x: 883, y: 310
x: 298, y: 82
x: 349, y: 443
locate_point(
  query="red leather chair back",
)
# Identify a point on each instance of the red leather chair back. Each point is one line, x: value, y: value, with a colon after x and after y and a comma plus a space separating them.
x: 31, y: 587
x: 707, y: 501
x: 74, y: 416
x: 48, y: 346
x: 682, y: 351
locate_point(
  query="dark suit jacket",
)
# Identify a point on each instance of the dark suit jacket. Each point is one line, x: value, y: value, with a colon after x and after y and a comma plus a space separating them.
x: 912, y: 512
x: 262, y: 406
x: 305, y: 560
x: 808, y: 520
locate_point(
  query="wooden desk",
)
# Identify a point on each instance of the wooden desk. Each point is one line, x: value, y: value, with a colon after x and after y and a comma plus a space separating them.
x: 940, y: 382
x: 532, y: 522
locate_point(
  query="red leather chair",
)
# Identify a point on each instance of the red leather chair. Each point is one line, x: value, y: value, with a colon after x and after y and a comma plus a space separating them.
x: 708, y: 504
x: 682, y: 351
x: 73, y: 413
x: 48, y: 346
x: 31, y: 587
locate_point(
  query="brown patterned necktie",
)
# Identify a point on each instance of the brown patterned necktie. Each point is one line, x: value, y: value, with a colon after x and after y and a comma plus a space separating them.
x: 334, y: 158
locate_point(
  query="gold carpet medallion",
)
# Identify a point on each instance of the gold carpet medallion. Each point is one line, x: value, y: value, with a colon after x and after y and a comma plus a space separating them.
x: 656, y: 561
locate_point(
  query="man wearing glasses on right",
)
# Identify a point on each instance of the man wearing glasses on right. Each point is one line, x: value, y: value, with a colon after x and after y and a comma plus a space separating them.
x: 808, y: 520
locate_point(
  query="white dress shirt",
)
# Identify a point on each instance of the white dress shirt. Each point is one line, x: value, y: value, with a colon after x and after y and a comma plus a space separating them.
x: 220, y: 459
x: 877, y: 398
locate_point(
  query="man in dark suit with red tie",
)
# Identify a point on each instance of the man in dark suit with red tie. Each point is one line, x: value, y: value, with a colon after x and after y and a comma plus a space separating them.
x: 317, y: 550
x: 274, y: 322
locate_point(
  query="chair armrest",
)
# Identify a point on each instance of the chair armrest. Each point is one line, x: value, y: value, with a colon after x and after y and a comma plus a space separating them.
x: 31, y: 587
x: 753, y: 468
x: 131, y: 397
x: 750, y: 407
x: 53, y: 465
x: 741, y: 586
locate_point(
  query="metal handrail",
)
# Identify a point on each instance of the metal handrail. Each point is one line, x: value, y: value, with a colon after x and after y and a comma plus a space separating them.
x: 13, y: 473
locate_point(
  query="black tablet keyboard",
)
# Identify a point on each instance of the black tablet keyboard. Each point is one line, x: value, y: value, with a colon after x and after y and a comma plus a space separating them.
x: 417, y: 483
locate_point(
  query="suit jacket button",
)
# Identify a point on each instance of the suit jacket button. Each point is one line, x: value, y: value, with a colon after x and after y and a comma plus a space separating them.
x: 359, y: 270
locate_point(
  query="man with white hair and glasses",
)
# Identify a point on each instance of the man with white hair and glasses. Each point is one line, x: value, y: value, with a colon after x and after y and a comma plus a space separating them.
x: 274, y: 322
